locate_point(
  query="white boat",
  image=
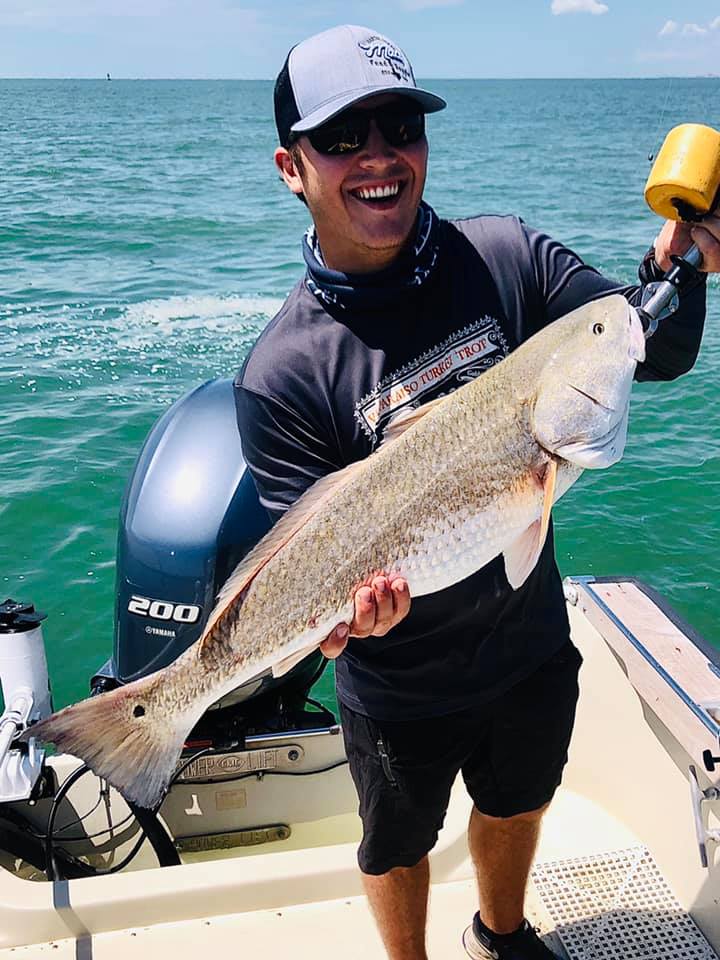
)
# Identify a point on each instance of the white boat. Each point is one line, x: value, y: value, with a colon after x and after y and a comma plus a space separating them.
x: 626, y: 866
x: 259, y: 839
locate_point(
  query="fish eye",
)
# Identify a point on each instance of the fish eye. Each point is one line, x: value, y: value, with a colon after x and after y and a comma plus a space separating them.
x: 598, y: 328
x: 139, y: 711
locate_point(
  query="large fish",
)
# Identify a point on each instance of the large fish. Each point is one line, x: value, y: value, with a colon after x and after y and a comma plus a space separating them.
x: 455, y: 483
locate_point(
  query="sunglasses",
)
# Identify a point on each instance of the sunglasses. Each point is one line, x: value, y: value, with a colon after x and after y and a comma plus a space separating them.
x: 349, y: 131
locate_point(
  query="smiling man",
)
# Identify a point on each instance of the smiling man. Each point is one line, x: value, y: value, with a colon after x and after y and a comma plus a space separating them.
x: 397, y: 307
x: 363, y: 212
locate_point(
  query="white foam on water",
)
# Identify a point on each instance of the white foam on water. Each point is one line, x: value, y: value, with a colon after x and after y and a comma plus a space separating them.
x: 75, y: 533
x: 193, y: 312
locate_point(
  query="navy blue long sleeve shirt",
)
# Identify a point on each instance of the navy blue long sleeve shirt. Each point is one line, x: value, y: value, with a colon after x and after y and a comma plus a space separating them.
x: 345, y: 354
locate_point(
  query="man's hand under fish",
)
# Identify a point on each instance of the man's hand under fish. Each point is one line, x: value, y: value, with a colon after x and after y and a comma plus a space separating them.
x: 378, y: 608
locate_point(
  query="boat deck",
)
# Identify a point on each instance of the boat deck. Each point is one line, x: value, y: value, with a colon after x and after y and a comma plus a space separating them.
x: 618, y: 874
x: 596, y: 894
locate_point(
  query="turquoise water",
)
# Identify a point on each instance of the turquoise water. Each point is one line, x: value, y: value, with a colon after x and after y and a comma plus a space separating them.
x: 146, y: 240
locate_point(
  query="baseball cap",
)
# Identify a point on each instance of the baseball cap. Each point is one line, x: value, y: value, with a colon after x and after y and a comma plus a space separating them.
x: 334, y: 69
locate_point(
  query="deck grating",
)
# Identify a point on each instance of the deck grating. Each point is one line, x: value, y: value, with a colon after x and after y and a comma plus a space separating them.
x: 615, y: 906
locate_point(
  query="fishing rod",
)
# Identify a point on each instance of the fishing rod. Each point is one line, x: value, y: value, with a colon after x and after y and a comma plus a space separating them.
x: 684, y: 185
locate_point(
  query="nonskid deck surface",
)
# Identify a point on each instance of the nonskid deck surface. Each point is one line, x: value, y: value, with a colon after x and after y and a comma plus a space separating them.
x: 615, y: 906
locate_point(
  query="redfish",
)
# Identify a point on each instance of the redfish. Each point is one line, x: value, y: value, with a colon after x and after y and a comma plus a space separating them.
x: 455, y: 483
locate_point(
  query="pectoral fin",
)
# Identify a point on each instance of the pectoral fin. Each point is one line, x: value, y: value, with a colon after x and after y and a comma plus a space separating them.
x: 522, y: 555
x: 286, y: 665
x: 549, y: 484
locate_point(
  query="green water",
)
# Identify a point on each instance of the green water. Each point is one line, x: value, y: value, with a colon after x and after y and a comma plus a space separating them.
x: 146, y: 240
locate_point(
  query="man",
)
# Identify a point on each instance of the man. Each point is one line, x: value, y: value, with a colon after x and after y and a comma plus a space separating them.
x: 477, y: 678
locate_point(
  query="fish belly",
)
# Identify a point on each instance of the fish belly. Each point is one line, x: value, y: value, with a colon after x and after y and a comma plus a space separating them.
x: 466, y: 542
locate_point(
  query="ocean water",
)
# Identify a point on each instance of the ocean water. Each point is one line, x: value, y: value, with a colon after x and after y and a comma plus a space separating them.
x: 146, y: 240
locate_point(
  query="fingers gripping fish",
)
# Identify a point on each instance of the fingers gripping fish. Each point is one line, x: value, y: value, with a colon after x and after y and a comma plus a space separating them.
x: 456, y: 482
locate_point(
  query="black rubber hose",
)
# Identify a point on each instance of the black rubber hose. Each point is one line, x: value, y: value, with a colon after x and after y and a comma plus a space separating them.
x: 19, y: 838
x: 156, y: 834
x: 160, y: 839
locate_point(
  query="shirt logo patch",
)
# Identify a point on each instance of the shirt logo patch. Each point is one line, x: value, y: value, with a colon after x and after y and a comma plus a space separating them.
x: 442, y: 369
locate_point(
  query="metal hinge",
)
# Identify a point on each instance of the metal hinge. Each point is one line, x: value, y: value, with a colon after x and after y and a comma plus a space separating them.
x: 697, y: 798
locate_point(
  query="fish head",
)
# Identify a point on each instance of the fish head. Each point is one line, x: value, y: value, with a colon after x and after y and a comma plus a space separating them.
x: 582, y: 400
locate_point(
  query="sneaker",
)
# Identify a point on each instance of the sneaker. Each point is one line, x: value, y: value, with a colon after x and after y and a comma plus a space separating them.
x: 522, y: 944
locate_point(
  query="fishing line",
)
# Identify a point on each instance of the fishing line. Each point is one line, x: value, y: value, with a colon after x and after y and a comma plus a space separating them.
x: 660, y: 125
x: 711, y: 119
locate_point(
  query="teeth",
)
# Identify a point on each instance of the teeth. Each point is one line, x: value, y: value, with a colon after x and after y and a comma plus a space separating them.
x: 376, y: 193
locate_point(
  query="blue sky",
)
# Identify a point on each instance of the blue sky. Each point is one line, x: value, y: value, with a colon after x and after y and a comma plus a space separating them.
x: 443, y: 38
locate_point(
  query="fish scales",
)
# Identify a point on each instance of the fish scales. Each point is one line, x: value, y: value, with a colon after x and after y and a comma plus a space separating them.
x: 452, y: 466
x: 468, y: 478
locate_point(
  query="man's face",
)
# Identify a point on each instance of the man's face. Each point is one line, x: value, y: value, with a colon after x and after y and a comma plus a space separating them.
x: 358, y: 234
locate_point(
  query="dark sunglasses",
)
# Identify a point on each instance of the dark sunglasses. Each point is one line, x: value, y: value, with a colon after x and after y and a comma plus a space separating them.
x: 349, y: 131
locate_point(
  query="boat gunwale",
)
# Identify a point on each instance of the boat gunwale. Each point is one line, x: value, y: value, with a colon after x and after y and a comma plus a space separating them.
x: 713, y: 656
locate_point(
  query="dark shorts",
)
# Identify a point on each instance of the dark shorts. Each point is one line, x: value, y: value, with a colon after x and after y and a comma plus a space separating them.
x: 511, y: 752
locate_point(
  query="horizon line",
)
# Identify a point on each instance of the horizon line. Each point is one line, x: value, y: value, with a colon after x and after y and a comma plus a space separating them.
x: 110, y: 78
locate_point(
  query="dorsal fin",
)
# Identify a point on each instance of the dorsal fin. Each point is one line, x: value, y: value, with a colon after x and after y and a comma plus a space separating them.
x: 283, y: 531
x: 406, y: 418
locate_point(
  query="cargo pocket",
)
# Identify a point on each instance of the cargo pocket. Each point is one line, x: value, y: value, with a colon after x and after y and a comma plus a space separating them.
x: 385, y: 763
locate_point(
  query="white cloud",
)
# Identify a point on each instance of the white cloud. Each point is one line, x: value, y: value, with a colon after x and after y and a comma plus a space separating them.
x: 426, y: 4
x: 688, y: 29
x: 693, y: 30
x: 694, y: 45
x: 578, y: 6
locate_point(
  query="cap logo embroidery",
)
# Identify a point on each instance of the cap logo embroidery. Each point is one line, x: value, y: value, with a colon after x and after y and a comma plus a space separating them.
x: 382, y: 54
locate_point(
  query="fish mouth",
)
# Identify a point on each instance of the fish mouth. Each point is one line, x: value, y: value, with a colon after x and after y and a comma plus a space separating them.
x: 592, y: 399
x: 596, y: 452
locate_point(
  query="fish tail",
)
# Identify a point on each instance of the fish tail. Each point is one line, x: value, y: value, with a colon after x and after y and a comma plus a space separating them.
x: 128, y: 736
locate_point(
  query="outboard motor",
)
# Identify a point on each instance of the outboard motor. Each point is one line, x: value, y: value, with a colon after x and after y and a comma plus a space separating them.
x: 189, y: 515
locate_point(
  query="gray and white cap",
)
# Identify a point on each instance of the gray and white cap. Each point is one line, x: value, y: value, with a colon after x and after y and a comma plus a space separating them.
x: 332, y: 70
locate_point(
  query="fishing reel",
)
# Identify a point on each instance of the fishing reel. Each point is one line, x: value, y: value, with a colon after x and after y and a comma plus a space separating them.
x: 684, y: 185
